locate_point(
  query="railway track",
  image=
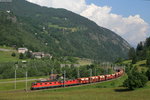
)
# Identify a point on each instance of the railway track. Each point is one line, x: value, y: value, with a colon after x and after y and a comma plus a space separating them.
x: 57, y: 88
x: 80, y: 83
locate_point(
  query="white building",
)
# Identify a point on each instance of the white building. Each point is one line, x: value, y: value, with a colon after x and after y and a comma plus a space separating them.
x: 22, y: 50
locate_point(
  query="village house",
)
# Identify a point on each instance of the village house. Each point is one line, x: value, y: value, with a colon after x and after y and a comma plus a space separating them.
x: 54, y: 76
x: 22, y: 50
x: 38, y: 55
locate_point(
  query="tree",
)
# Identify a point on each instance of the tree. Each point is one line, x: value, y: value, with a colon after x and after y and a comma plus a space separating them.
x: 13, y: 54
x: 140, y: 51
x: 28, y: 54
x: 148, y: 74
x: 140, y: 47
x: 148, y: 61
x: 21, y: 56
x: 147, y: 43
x: 134, y: 60
x: 119, y: 60
x: 131, y: 53
x: 135, y: 79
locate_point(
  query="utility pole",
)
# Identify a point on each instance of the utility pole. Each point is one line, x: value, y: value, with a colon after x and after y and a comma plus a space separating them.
x: 107, y: 67
x: 26, y: 75
x: 26, y: 80
x: 64, y: 77
x: 124, y: 68
x: 52, y: 74
x: 15, y: 79
x: 16, y: 67
x: 78, y: 73
x: 95, y: 72
x: 90, y: 74
x: 63, y: 30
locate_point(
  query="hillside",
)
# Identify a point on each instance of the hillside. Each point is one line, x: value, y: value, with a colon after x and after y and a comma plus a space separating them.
x: 57, y: 31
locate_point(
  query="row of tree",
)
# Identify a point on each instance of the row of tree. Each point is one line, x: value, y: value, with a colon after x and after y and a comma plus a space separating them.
x: 141, y: 52
x: 137, y: 79
x: 44, y: 67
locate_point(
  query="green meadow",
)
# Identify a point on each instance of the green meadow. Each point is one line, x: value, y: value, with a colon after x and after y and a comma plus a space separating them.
x: 110, y: 90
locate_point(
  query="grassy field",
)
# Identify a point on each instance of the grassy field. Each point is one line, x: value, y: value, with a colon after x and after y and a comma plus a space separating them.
x: 141, y: 65
x: 5, y: 47
x: 83, y: 62
x: 6, y: 57
x: 19, y: 85
x: 12, y: 79
x: 82, y: 94
x: 101, y: 91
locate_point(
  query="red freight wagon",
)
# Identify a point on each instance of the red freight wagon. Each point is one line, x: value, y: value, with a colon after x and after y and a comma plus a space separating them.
x: 113, y: 75
x: 83, y: 80
x: 102, y: 78
x: 93, y: 79
x: 108, y: 77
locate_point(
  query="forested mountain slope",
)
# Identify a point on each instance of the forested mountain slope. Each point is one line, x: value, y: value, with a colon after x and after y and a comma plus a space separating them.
x: 57, y: 31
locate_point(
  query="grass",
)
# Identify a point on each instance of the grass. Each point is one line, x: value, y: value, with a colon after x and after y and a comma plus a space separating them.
x: 12, y: 79
x: 6, y: 56
x: 82, y: 94
x: 10, y: 86
x: 58, y: 27
x: 19, y: 85
x: 83, y: 62
x: 141, y: 65
x: 127, y: 62
x: 91, y: 92
x: 5, y: 47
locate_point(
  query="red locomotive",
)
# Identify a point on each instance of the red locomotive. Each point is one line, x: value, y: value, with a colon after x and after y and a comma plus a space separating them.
x: 85, y: 80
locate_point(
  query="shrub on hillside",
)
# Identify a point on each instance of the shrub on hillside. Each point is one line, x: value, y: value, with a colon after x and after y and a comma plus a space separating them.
x: 21, y: 56
x: 13, y: 54
x: 135, y: 79
x: 148, y: 74
x: 148, y: 62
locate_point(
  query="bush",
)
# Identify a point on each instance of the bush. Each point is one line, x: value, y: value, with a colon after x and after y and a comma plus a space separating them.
x: 148, y: 62
x: 13, y: 54
x: 21, y: 56
x: 134, y: 60
x: 148, y: 74
x: 28, y: 54
x: 135, y: 80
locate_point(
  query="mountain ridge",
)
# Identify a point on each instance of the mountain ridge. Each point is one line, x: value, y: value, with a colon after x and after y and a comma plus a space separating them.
x: 63, y: 33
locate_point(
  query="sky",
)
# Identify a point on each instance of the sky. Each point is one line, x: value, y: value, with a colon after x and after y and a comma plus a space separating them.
x: 128, y: 18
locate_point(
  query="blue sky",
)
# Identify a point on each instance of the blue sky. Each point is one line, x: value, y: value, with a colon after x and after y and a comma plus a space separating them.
x: 126, y: 7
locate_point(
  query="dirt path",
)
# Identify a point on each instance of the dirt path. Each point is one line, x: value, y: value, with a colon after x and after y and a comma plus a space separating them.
x: 1, y: 49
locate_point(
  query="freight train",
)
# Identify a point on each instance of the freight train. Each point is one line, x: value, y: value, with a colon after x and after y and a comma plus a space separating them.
x: 78, y: 81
